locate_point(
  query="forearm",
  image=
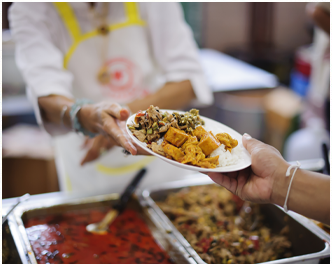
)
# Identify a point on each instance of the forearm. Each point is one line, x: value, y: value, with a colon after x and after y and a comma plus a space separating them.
x: 309, y: 194
x: 171, y: 96
x: 100, y: 118
x: 51, y: 107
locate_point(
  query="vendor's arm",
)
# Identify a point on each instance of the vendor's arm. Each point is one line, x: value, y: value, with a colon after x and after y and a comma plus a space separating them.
x: 103, y: 118
x: 173, y: 95
x: 175, y: 52
x: 40, y: 59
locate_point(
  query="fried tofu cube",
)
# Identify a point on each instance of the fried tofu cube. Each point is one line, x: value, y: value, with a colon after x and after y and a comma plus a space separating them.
x: 199, y: 132
x: 206, y: 164
x: 192, y: 140
x: 213, y: 160
x: 209, y: 162
x: 190, y: 154
x: 174, y: 152
x: 176, y: 136
x: 193, y: 154
x: 208, y: 144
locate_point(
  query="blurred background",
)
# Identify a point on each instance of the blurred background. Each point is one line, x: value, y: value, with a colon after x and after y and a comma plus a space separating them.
x: 267, y: 64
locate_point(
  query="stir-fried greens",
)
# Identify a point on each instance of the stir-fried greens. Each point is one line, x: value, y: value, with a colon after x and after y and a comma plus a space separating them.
x: 221, y: 229
x: 151, y: 124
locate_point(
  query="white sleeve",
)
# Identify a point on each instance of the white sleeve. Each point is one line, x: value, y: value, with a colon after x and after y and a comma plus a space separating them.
x: 174, y: 48
x: 38, y: 58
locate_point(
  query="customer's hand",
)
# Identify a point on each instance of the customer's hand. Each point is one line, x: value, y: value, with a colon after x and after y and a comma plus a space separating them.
x: 255, y: 183
x: 105, y: 118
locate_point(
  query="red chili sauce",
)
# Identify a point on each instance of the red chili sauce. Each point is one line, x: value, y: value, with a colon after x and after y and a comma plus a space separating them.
x: 64, y: 239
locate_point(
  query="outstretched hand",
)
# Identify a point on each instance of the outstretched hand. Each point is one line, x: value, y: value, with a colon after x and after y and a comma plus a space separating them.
x: 108, y: 119
x: 254, y: 183
x: 105, y: 118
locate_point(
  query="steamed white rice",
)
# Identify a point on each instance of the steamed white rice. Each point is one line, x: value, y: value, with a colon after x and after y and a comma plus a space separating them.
x: 225, y: 157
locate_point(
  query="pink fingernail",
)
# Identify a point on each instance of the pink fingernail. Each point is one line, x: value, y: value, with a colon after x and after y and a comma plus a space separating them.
x: 247, y: 136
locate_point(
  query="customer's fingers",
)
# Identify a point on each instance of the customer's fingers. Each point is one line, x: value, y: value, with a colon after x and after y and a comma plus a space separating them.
x: 227, y: 180
x: 250, y: 143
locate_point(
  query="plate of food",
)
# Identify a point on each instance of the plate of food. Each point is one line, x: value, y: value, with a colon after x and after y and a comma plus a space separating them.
x: 188, y: 140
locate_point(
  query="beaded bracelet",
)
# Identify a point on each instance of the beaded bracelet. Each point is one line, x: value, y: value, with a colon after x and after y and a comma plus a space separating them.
x: 76, y: 125
x: 62, y: 114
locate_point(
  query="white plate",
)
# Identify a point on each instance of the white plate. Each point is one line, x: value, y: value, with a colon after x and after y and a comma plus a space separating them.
x: 244, y: 161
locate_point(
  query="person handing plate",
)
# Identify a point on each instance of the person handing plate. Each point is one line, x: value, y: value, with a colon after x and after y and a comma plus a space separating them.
x: 88, y: 65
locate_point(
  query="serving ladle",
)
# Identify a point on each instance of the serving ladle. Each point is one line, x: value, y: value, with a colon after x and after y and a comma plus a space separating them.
x: 247, y: 209
x: 117, y: 208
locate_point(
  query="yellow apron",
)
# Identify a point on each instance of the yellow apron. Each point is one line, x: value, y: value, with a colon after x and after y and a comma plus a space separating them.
x: 133, y: 74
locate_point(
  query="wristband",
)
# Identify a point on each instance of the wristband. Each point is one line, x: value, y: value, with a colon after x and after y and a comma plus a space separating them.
x: 76, y: 125
x: 62, y: 114
x: 290, y: 182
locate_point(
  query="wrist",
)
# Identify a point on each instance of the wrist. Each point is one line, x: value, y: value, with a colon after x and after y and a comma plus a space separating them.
x: 280, y: 184
x: 86, y: 118
x: 77, y: 117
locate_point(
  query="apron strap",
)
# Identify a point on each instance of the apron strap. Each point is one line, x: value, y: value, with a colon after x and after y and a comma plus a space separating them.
x: 132, y: 12
x: 69, y: 19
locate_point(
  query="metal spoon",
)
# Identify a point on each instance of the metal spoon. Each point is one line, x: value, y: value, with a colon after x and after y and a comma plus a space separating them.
x: 20, y: 199
x: 103, y: 225
x: 247, y: 209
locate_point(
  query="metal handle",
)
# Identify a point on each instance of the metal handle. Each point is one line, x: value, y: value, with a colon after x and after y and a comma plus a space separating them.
x: 129, y: 190
x: 20, y: 199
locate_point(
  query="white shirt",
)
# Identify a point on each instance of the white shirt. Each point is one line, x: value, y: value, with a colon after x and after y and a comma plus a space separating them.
x: 42, y: 41
x: 165, y: 43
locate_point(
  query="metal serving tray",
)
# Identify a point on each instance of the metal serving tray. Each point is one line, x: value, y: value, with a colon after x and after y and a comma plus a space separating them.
x: 9, y: 251
x: 310, y: 243
x: 165, y: 239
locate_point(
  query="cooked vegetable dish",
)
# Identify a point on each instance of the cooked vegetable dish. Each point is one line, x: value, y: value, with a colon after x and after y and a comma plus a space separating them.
x: 184, y: 138
x: 222, y: 228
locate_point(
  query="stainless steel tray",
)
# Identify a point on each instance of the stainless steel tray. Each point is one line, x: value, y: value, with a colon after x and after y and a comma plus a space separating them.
x: 310, y: 243
x: 9, y: 251
x: 165, y: 239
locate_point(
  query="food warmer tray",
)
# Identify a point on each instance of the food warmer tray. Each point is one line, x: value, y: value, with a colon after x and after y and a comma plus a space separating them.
x: 163, y: 237
x: 310, y: 243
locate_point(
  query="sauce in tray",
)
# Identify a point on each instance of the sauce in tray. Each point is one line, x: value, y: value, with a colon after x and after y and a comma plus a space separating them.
x: 64, y: 239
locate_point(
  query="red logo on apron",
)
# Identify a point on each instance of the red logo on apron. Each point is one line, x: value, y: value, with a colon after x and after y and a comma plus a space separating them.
x: 124, y: 79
